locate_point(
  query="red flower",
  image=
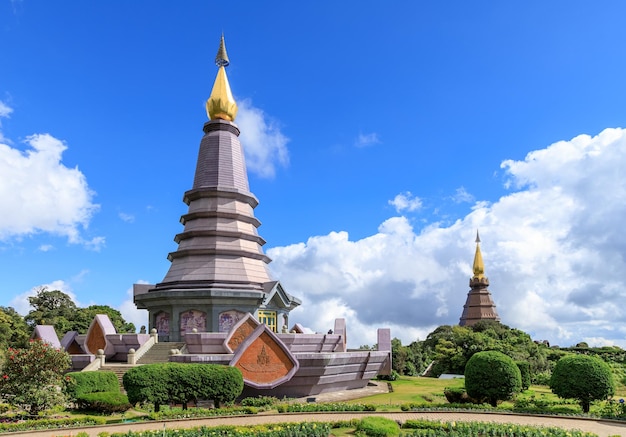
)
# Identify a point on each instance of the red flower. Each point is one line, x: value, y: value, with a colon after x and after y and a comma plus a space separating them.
x: 5, y: 376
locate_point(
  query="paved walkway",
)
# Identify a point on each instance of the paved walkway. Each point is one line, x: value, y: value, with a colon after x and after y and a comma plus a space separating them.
x: 599, y: 427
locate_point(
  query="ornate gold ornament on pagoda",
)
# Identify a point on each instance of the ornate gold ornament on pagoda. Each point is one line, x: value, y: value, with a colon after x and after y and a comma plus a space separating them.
x: 221, y: 103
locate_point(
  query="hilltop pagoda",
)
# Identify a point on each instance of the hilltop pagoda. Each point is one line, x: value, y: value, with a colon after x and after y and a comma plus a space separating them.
x: 219, y: 272
x: 479, y: 304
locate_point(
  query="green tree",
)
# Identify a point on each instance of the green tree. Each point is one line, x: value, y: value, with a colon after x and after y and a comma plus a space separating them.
x: 398, y: 356
x: 32, y: 377
x: 13, y: 329
x: 51, y: 307
x: 582, y: 377
x: 451, y: 346
x: 84, y: 317
x: 492, y: 376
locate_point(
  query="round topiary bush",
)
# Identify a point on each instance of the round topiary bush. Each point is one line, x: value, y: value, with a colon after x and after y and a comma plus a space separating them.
x: 582, y: 377
x: 492, y: 376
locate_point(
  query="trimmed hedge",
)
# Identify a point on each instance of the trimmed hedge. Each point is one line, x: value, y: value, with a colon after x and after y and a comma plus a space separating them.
x: 30, y: 425
x: 104, y: 402
x: 304, y: 429
x: 325, y: 406
x: 80, y: 383
x: 259, y: 401
x: 164, y: 383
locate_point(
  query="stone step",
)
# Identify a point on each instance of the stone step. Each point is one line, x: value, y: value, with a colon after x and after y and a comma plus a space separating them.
x: 160, y: 353
x: 119, y: 370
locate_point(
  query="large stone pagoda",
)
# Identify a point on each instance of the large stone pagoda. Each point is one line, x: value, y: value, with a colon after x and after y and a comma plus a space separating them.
x: 479, y: 304
x: 219, y: 272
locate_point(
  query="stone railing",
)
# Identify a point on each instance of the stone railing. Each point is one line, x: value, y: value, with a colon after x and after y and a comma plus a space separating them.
x: 135, y: 355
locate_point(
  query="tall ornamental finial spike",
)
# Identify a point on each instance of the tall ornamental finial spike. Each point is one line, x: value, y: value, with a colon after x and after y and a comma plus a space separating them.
x: 221, y: 103
x: 479, y: 267
x: 221, y: 59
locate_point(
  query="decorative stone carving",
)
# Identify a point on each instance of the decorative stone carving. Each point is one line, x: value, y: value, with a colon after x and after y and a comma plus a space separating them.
x: 264, y: 360
x: 242, y: 329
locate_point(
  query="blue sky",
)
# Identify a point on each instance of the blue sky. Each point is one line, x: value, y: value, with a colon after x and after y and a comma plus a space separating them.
x: 378, y: 139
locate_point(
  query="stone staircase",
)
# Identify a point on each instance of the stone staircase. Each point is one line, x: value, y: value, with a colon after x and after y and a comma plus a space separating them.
x: 159, y: 353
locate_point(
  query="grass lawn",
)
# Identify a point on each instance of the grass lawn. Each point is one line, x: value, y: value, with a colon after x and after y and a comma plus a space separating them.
x: 416, y: 389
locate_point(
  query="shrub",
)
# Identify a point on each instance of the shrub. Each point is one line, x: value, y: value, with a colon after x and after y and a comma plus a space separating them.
x: 32, y: 377
x: 541, y: 378
x: 326, y: 406
x: 163, y: 383
x: 524, y: 368
x: 222, y: 384
x: 582, y: 377
x: 259, y: 401
x: 378, y: 427
x: 492, y: 376
x: 104, y: 402
x: 147, y: 383
x: 80, y: 383
x: 392, y: 377
x: 458, y: 395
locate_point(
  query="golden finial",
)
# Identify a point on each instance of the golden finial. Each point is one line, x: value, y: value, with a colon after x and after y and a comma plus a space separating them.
x: 221, y: 103
x: 479, y: 267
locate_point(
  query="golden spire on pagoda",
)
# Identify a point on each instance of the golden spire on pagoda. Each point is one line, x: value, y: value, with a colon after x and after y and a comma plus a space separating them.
x: 479, y: 267
x: 221, y: 103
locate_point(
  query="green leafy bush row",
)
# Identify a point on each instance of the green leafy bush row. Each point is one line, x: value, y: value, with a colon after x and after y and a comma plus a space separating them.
x: 419, y: 406
x: 179, y: 413
x: 311, y: 408
x: 368, y: 426
x: 259, y: 401
x: 475, y: 429
x: 304, y: 429
x: 80, y: 383
x: 30, y: 425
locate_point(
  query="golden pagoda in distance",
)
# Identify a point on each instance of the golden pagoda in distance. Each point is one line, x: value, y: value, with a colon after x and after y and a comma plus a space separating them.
x: 479, y: 304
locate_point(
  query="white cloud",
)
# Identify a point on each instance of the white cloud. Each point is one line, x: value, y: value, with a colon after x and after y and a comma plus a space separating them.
x: 264, y: 144
x: 462, y: 196
x: 406, y: 202
x: 364, y: 140
x: 5, y: 110
x: 553, y: 252
x: 128, y: 218
x: 38, y: 193
x: 130, y: 313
